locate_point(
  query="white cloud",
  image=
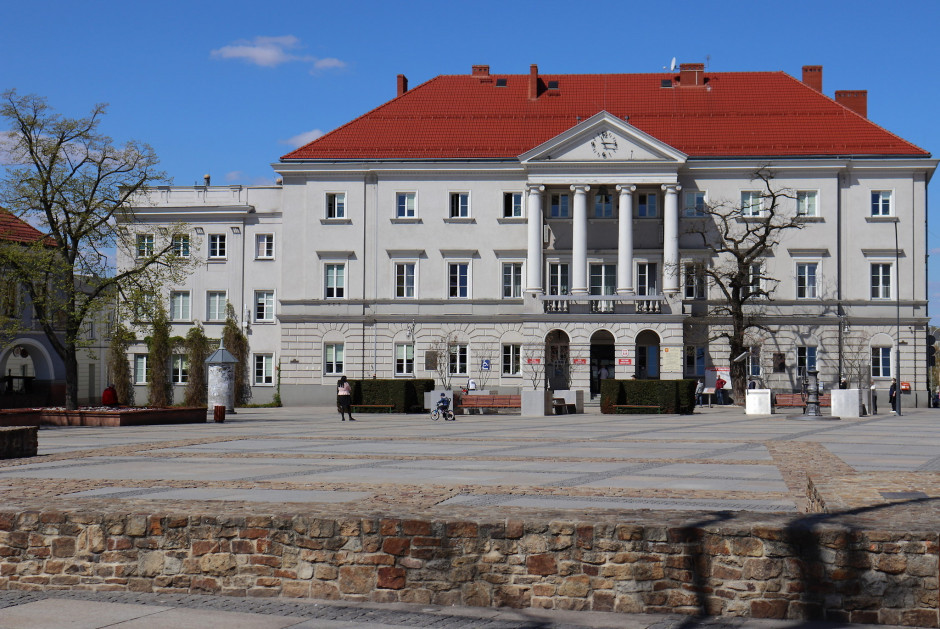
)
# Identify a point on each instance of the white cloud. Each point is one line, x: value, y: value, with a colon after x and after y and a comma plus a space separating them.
x: 270, y: 52
x: 302, y: 138
x: 329, y: 63
x: 234, y: 175
x: 934, y: 251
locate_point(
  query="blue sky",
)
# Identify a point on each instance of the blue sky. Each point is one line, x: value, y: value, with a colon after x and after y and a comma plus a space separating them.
x: 227, y: 87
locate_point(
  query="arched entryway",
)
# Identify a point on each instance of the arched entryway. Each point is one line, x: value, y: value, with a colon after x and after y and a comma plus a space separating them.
x: 557, y: 352
x: 602, y: 359
x: 28, y: 374
x: 647, y: 355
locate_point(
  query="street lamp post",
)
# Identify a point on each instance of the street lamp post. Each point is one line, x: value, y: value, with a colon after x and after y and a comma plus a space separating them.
x: 897, y: 333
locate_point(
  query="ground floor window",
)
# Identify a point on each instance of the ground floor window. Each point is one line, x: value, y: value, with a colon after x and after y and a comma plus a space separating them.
x: 141, y: 369
x: 458, y: 359
x: 512, y: 360
x: 805, y: 359
x: 753, y: 362
x: 880, y: 362
x: 333, y: 358
x: 404, y: 359
x: 695, y: 360
x: 264, y: 368
x: 180, y: 372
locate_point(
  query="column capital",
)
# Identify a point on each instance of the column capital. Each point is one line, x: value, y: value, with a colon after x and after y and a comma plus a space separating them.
x: 626, y: 187
x: 672, y: 188
x: 580, y: 187
x: 534, y: 188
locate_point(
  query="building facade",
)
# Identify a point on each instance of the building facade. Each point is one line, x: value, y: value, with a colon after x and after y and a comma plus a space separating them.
x: 545, y: 230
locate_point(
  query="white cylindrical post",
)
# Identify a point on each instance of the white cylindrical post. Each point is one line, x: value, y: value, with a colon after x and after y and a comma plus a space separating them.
x: 625, y: 241
x: 671, y: 239
x: 579, y: 283
x: 534, y: 254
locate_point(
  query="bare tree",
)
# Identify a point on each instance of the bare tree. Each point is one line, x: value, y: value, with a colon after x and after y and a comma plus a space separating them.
x: 738, y: 236
x: 439, y: 352
x: 534, y: 364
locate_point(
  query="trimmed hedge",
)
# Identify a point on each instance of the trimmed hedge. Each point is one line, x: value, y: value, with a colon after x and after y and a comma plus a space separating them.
x: 405, y: 395
x: 672, y: 396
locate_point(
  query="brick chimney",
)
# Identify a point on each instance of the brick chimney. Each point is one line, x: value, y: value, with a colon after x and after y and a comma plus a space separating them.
x: 402, y: 84
x: 691, y: 74
x: 480, y: 70
x: 533, y: 82
x: 812, y: 76
x: 856, y: 100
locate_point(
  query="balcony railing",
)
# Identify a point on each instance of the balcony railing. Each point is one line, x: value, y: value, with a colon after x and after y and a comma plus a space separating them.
x: 603, y: 304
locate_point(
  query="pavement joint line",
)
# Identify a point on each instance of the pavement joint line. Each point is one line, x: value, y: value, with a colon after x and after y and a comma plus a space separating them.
x: 498, y: 499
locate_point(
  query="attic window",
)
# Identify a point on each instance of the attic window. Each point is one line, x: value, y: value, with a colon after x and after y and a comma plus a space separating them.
x: 666, y: 83
x: 553, y: 85
x: 500, y: 82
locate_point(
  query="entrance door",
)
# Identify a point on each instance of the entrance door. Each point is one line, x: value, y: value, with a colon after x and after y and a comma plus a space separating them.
x: 557, y: 360
x: 647, y: 355
x: 602, y: 359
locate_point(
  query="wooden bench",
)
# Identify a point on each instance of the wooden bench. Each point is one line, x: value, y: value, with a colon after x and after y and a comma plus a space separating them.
x: 372, y: 408
x: 488, y: 402
x: 652, y: 408
x: 561, y: 407
x: 795, y: 400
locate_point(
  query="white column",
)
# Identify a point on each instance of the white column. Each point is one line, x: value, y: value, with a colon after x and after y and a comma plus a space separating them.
x: 579, y: 279
x: 534, y: 256
x: 625, y: 241
x: 671, y: 239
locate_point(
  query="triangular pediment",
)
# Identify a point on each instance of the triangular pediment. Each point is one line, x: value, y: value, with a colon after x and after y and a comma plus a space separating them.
x: 604, y: 138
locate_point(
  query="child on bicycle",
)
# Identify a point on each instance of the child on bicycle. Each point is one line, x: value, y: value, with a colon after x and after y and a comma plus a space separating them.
x: 443, y: 403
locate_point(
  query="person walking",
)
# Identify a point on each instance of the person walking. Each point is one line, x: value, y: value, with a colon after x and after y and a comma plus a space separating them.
x: 344, y: 399
x: 893, y: 395
x: 720, y: 390
x: 874, y: 399
x: 699, y: 389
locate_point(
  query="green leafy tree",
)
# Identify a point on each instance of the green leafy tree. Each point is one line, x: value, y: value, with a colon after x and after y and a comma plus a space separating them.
x: 67, y: 179
x: 237, y: 344
x: 119, y: 366
x: 161, y: 352
x: 198, y: 348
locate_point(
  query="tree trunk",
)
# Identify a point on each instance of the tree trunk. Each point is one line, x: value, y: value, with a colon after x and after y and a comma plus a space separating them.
x: 71, y: 376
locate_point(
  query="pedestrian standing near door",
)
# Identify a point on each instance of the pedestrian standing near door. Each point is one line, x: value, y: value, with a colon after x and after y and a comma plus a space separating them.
x: 893, y: 395
x: 344, y: 399
x: 720, y: 390
x: 874, y: 399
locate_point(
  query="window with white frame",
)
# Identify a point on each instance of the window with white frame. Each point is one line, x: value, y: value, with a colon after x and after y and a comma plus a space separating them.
x: 404, y: 359
x: 512, y: 359
x: 215, y: 305
x: 217, y: 246
x: 881, y: 280
x: 881, y: 203
x: 694, y: 280
x: 264, y: 369
x: 558, y: 278
x: 805, y: 359
x: 141, y: 369
x: 694, y: 203
x: 458, y: 359
x: 753, y: 362
x: 180, y: 369
x: 603, y: 205
x: 334, y: 281
x: 459, y: 204
x: 333, y: 358
x: 806, y: 203
x: 512, y: 279
x: 752, y: 203
x: 181, y: 245
x: 144, y: 245
x: 264, y: 246
x: 405, y: 280
x: 405, y: 205
x: 880, y: 362
x: 695, y: 360
x: 264, y: 306
x: 180, y: 306
x: 646, y: 206
x: 806, y: 279
x: 560, y: 206
x: 647, y: 279
x: 512, y: 205
x: 336, y: 205
x: 753, y: 282
x: 603, y: 281
x: 459, y: 279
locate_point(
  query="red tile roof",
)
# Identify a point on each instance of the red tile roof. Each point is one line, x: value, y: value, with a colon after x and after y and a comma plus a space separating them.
x: 738, y: 114
x: 13, y: 229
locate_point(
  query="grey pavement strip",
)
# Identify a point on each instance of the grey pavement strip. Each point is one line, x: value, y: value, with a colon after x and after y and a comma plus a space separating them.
x: 246, y: 495
x: 599, y: 502
x: 933, y: 465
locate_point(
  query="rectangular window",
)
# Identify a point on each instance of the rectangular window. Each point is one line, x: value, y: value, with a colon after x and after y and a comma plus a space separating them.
x: 694, y: 203
x: 752, y: 283
x: 405, y: 205
x: 753, y: 362
x: 336, y: 205
x: 180, y: 306
x: 557, y: 279
x: 335, y: 281
x: 215, y: 305
x: 512, y: 205
x: 264, y: 246
x: 180, y: 370
x: 603, y: 281
x: 881, y: 281
x: 144, y: 245
x: 646, y: 205
x: 806, y: 203
x: 806, y: 280
x: 512, y: 359
x: 459, y: 273
x: 512, y: 279
x: 603, y: 205
x: 881, y: 203
x: 405, y: 280
x: 141, y: 369
x: 458, y: 359
x: 404, y: 359
x: 459, y: 204
x: 264, y: 305
x: 752, y: 203
x: 647, y: 279
x: 333, y: 358
x: 217, y: 246
x: 694, y: 280
x: 264, y: 369
x: 805, y: 359
x: 181, y: 245
x: 881, y: 362
x: 695, y: 361
x: 560, y: 206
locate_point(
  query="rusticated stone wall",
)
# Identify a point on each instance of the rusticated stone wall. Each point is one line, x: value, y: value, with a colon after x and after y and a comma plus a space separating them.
x: 773, y: 568
x: 18, y: 442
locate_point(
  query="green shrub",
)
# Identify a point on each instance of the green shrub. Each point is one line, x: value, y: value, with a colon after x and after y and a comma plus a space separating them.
x: 404, y: 395
x: 671, y: 396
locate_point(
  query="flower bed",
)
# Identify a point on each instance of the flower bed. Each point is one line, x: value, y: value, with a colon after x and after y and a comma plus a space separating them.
x: 20, y: 417
x: 122, y: 416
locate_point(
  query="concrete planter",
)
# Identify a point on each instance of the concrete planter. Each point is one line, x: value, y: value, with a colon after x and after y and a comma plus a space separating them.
x: 20, y: 417
x: 124, y: 417
x: 846, y: 402
x: 757, y: 402
x: 536, y: 403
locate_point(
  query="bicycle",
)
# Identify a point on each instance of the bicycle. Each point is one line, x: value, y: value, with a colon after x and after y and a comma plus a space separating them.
x: 438, y: 412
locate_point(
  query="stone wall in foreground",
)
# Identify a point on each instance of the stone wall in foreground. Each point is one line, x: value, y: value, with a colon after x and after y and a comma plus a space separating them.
x: 775, y: 568
x: 18, y: 442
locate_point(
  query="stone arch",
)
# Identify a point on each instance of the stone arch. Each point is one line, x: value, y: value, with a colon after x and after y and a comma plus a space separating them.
x: 646, y: 365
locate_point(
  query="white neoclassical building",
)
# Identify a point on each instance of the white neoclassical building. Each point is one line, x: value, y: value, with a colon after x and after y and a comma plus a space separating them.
x: 541, y: 229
